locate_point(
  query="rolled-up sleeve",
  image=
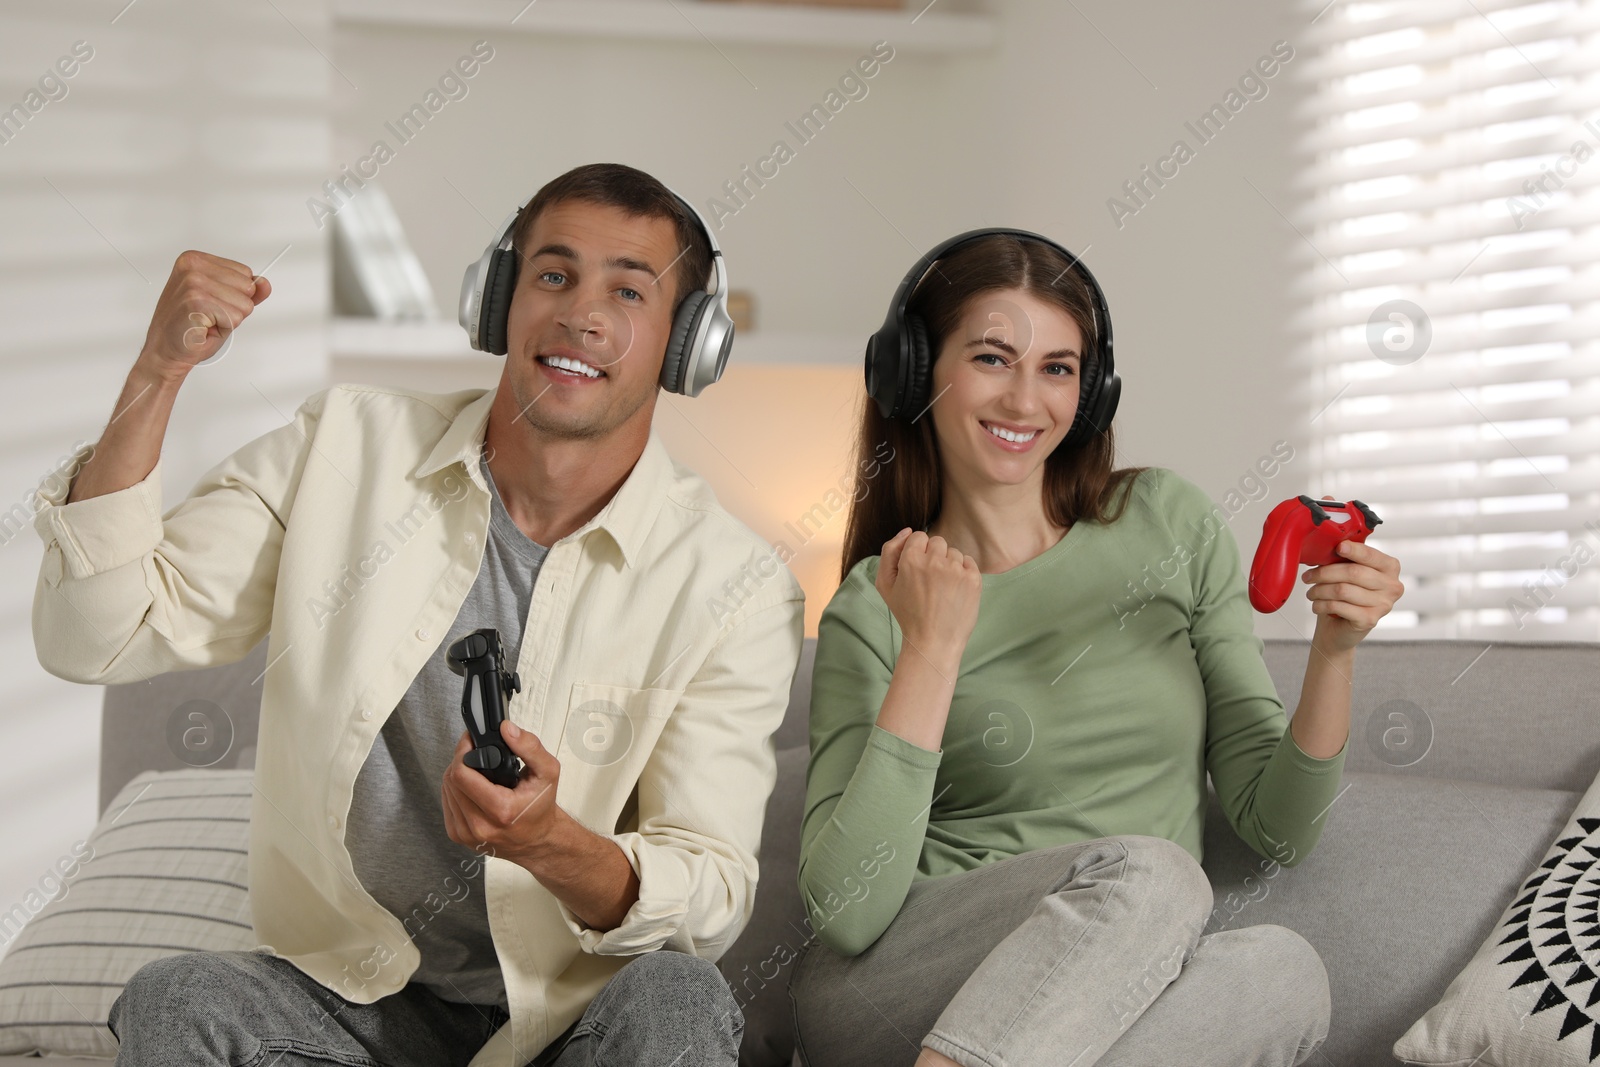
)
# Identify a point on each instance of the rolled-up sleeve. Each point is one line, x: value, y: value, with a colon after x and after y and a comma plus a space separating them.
x: 125, y: 593
x: 703, y: 793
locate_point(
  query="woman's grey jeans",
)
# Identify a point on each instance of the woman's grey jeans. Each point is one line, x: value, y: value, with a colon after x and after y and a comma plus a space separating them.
x: 252, y: 1009
x: 1086, y: 953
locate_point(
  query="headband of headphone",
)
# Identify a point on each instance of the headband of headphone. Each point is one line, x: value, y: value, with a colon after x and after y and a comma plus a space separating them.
x: 702, y: 328
x: 899, y: 363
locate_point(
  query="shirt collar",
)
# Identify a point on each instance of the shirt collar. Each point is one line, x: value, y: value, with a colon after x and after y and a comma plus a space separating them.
x: 627, y: 517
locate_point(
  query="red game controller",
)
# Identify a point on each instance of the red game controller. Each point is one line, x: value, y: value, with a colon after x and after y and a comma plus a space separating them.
x: 1306, y: 531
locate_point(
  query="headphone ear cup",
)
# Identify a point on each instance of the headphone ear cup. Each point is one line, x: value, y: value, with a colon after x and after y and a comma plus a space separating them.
x: 1110, y: 393
x: 497, y: 290
x: 685, y: 324
x: 1088, y: 402
x: 880, y: 368
x: 917, y: 369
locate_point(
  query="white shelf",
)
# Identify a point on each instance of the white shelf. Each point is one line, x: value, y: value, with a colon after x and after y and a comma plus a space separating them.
x: 442, y: 339
x: 914, y: 28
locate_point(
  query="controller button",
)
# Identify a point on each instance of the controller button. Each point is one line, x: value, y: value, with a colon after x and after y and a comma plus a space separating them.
x: 1367, y: 513
x: 1318, y: 516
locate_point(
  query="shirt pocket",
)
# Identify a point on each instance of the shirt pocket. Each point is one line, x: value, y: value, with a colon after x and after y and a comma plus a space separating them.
x: 609, y: 733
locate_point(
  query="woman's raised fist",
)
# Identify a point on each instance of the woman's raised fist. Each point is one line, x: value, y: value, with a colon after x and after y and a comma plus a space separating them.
x: 932, y: 589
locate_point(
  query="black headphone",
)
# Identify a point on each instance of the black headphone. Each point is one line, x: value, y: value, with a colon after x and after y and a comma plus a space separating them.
x: 899, y: 364
x: 702, y: 328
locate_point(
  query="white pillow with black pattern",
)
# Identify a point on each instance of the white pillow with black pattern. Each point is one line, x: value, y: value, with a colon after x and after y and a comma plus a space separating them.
x: 163, y: 872
x: 1530, y: 997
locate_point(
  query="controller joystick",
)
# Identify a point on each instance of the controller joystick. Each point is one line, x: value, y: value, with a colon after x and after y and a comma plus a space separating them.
x: 478, y: 658
x: 1303, y: 530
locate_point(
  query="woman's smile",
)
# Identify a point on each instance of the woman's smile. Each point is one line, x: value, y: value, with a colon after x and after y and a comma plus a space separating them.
x: 1010, y: 437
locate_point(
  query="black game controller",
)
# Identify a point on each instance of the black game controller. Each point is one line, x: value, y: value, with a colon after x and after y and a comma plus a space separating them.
x: 478, y: 658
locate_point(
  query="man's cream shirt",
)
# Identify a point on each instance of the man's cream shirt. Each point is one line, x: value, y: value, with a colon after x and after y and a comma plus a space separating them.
x: 350, y: 537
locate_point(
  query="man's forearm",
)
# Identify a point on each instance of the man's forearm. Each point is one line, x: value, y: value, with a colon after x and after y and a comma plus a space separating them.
x: 130, y: 445
x: 586, y: 872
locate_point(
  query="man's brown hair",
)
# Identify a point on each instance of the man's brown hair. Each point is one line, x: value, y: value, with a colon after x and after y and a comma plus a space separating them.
x: 636, y: 194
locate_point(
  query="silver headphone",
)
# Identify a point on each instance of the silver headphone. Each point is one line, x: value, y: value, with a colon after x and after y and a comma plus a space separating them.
x: 702, y: 329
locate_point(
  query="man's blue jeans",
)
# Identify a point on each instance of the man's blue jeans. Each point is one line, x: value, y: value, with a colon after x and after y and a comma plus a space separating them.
x: 252, y: 1009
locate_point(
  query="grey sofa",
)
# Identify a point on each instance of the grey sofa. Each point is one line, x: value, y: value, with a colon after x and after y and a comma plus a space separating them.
x: 1463, y: 764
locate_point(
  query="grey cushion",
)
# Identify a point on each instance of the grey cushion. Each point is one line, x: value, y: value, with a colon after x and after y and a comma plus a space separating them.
x: 1515, y: 717
x: 142, y: 723
x: 1409, y: 877
x: 796, y: 728
x: 760, y: 962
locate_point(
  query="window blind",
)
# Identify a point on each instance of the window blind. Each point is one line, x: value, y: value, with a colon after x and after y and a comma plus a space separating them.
x: 1449, y: 175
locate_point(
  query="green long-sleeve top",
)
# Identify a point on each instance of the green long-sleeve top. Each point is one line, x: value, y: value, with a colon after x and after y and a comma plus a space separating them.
x: 1104, y: 678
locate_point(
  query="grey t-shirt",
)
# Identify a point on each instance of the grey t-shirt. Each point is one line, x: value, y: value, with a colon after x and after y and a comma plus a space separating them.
x: 395, y: 831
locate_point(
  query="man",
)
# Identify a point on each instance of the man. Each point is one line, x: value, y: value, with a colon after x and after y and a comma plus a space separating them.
x: 410, y: 910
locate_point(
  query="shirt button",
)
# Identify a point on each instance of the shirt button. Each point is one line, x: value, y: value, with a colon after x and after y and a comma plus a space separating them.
x: 333, y: 821
x: 366, y: 713
x: 472, y: 538
x: 423, y: 633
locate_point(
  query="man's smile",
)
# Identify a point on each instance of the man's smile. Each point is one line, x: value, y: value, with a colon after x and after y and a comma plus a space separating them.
x: 570, y: 365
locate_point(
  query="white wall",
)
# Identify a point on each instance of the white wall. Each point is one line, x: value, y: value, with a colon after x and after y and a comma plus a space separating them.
x: 817, y: 253
x: 192, y: 125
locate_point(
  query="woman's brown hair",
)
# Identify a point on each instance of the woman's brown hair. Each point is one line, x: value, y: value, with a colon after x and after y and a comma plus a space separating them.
x: 1079, y: 482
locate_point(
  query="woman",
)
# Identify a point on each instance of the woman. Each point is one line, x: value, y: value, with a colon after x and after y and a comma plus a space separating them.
x: 1014, y: 707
